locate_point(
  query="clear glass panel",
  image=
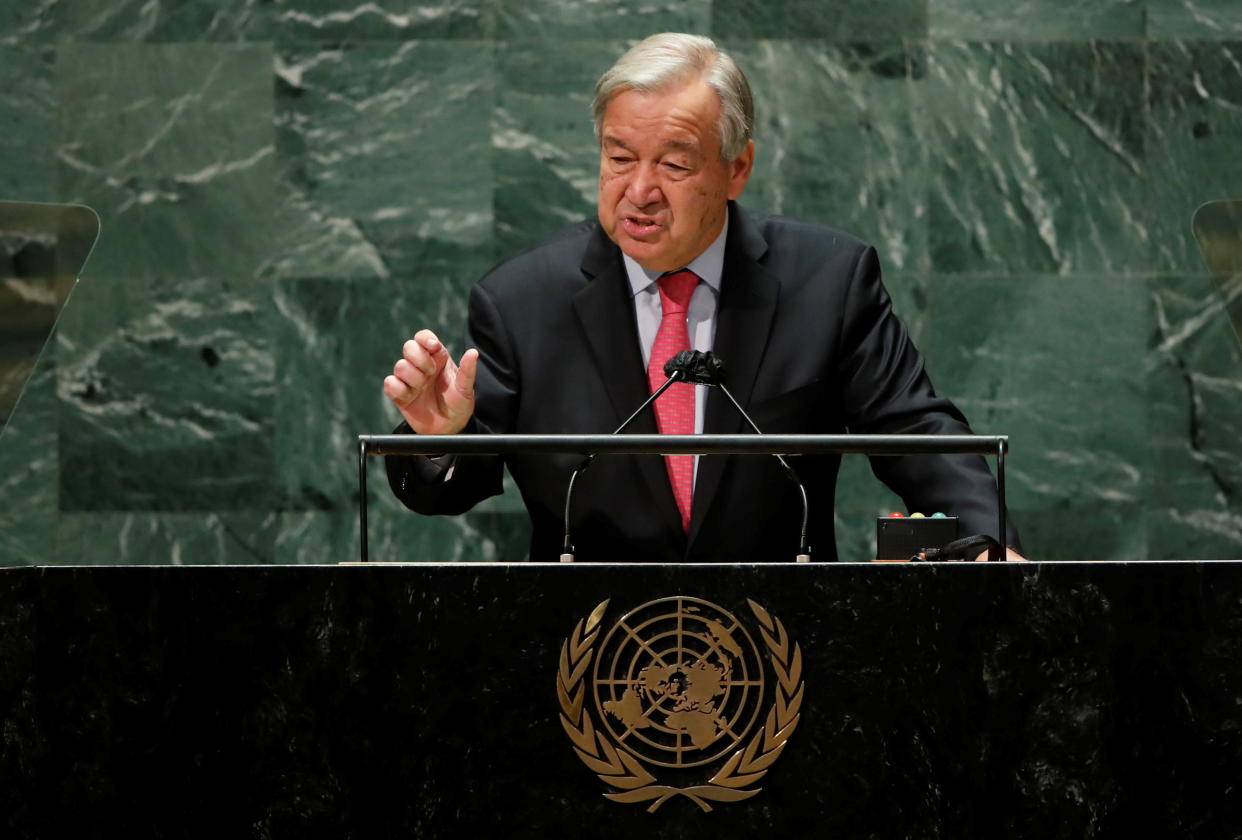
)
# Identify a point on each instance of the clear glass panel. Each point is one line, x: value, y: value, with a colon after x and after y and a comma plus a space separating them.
x: 42, y: 250
x: 1218, y: 227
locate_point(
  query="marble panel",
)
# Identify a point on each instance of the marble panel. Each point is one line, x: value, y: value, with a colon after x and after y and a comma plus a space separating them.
x: 159, y: 539
x: 376, y: 20
x: 1195, y: 101
x: 550, y: 20
x: 840, y: 20
x: 1194, y: 387
x: 28, y: 472
x: 27, y: 23
x: 27, y: 113
x: 1036, y: 157
x: 836, y: 141
x: 1197, y: 19
x: 335, y: 341
x: 162, y: 21
x: 1056, y: 364
x: 547, y: 160
x: 395, y: 534
x: 165, y: 388
x: 173, y: 146
x: 385, y: 161
x: 1020, y: 20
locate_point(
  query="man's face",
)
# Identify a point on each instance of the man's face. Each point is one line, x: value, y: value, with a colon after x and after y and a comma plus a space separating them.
x: 662, y: 185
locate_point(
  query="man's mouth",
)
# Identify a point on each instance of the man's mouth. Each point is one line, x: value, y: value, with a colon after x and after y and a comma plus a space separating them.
x: 636, y: 226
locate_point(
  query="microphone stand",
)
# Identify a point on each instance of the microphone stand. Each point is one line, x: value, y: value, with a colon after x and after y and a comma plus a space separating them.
x: 567, y: 548
x: 696, y: 368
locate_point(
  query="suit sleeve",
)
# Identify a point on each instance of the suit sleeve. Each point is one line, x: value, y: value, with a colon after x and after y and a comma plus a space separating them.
x: 452, y: 485
x: 886, y: 390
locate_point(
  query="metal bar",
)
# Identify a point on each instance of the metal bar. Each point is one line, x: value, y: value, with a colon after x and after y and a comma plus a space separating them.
x: 362, y: 497
x: 683, y: 444
x: 1001, y: 446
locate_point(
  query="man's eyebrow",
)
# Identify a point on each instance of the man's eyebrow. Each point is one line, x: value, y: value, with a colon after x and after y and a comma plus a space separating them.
x: 610, y: 140
x: 683, y: 146
x: 676, y: 145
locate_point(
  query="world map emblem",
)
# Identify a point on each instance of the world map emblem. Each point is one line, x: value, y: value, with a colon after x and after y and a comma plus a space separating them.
x: 679, y: 698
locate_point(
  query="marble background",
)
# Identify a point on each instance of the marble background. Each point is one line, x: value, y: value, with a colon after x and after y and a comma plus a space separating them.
x: 288, y: 188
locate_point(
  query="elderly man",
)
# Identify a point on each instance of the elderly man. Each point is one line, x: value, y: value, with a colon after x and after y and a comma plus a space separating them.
x: 571, y: 336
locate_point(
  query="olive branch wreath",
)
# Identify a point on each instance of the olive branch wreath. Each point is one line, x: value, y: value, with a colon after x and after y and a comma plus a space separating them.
x: 618, y: 768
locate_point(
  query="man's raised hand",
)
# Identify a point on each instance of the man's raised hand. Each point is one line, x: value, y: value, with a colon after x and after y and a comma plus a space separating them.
x: 434, y: 395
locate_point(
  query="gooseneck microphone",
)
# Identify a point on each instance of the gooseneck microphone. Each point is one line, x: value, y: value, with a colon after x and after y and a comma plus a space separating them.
x: 694, y: 367
x: 706, y: 369
x: 567, y: 546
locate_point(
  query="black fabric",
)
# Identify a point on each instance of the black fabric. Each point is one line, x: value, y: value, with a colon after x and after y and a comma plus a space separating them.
x: 807, y: 334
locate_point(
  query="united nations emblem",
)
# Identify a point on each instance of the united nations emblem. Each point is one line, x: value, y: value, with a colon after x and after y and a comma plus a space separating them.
x: 677, y: 687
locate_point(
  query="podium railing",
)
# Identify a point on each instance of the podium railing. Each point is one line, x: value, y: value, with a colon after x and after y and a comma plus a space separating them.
x: 585, y: 445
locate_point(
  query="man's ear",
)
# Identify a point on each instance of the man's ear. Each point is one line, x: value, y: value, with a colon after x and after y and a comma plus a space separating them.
x: 740, y: 169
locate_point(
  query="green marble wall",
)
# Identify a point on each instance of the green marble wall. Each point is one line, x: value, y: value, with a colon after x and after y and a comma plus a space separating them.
x: 289, y: 187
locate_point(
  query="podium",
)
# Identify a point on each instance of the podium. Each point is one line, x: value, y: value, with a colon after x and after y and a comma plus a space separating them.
x: 937, y: 700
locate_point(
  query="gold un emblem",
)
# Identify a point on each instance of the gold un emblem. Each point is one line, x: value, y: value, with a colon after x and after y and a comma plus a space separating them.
x: 676, y: 690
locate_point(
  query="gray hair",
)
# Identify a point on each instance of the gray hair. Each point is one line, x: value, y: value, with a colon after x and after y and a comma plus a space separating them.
x: 662, y: 61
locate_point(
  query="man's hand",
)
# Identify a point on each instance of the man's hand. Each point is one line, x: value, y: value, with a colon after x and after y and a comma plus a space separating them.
x: 435, y: 396
x: 1010, y: 555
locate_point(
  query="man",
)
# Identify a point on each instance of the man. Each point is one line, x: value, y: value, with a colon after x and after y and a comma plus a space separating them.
x: 572, y: 334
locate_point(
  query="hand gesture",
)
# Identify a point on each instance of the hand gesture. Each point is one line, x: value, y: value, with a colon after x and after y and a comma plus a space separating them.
x: 435, y: 396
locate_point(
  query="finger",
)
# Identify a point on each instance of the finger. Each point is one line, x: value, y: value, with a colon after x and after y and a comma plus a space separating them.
x: 397, y: 391
x: 433, y: 345
x: 417, y: 356
x: 409, y: 374
x: 467, y: 371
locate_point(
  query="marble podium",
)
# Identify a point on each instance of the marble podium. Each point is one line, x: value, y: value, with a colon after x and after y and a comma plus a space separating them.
x: 939, y: 700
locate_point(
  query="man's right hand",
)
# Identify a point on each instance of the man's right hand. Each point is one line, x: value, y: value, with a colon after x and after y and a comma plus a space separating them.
x: 435, y: 396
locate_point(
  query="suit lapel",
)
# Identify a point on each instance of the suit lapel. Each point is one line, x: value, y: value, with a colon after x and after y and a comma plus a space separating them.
x: 605, y: 308
x: 744, y: 315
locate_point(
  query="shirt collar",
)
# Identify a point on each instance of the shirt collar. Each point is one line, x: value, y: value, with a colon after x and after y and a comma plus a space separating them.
x: 709, y: 265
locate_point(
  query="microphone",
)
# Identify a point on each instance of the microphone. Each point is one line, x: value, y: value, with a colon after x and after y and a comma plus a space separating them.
x: 676, y: 375
x: 697, y: 368
x: 707, y: 369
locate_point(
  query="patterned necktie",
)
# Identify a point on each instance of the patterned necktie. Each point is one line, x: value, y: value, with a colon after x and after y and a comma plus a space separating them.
x: 675, y: 407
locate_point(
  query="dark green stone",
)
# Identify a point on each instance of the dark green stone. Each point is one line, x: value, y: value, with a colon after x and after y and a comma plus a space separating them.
x: 546, y: 157
x: 1192, y: 142
x: 843, y: 20
x: 1036, y: 157
x: 1194, y: 19
x: 552, y: 20
x: 28, y: 118
x: 166, y: 389
x: 385, y: 160
x: 1195, y: 497
x: 381, y: 20
x: 29, y: 463
x: 1020, y: 20
x: 174, y: 21
x: 172, y: 145
x: 336, y: 340
x: 142, y: 539
x: 1056, y: 363
x: 836, y: 140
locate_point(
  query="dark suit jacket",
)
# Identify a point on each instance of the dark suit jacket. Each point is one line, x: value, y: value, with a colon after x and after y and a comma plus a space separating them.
x: 810, y: 345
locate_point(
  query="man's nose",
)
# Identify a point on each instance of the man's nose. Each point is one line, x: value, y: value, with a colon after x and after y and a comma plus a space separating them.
x: 643, y: 188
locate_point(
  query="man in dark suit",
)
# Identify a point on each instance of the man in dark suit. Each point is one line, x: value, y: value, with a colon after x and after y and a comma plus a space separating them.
x: 569, y: 337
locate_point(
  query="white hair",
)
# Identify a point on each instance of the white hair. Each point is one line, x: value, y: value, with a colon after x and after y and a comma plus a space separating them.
x: 663, y: 61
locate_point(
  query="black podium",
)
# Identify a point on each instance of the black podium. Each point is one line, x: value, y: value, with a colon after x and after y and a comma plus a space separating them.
x: 905, y: 700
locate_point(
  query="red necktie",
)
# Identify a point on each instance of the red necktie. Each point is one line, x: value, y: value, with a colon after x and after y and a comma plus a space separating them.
x: 675, y: 407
